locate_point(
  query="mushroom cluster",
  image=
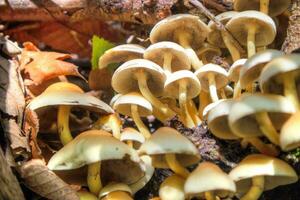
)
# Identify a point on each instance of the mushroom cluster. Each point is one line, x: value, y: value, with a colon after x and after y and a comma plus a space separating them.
x: 258, y: 97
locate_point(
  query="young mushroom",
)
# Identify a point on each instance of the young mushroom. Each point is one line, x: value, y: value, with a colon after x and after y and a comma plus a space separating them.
x: 208, y: 181
x: 257, y: 173
x: 136, y: 106
x: 104, y: 155
x: 169, y: 149
x: 65, y: 96
x: 212, y: 77
x: 132, y: 137
x: 172, y: 188
x: 115, y: 191
x: 234, y: 76
x: 252, y: 29
x: 185, y: 29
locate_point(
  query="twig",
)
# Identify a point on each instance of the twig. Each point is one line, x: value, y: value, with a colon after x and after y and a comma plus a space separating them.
x: 219, y: 25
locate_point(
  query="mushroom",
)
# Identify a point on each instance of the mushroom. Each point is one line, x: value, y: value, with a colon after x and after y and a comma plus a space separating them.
x: 136, y: 106
x: 269, y: 7
x: 260, y: 114
x: 84, y: 195
x: 257, y: 173
x: 65, y: 96
x: 172, y: 188
x: 105, y: 156
x: 252, y: 68
x: 289, y: 135
x: 207, y: 52
x: 185, y: 29
x: 169, y: 149
x: 114, y: 191
x: 204, y: 101
x: 169, y: 55
x: 208, y: 181
x: 144, y: 76
x: 132, y: 137
x: 212, y: 77
x: 251, y: 29
x: 280, y: 76
x: 183, y: 85
x: 234, y: 76
x: 219, y: 38
x: 111, y: 122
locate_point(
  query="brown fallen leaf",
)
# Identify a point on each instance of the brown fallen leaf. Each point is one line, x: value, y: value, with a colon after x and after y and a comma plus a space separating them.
x: 39, y: 66
x: 100, y: 79
x: 44, y: 182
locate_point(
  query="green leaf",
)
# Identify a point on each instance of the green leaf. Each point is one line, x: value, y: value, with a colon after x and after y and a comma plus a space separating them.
x: 100, y: 45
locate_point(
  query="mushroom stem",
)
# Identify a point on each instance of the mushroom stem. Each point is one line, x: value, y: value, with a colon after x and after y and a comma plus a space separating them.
x: 167, y: 63
x: 113, y: 122
x: 209, y: 195
x: 266, y: 126
x: 222, y: 93
x: 129, y: 143
x: 251, y: 40
x: 290, y: 90
x: 264, y: 6
x: 175, y: 166
x: 237, y: 90
x: 183, y: 105
x: 193, y: 112
x: 63, y: 124
x: 234, y: 52
x: 256, y: 189
x: 138, y: 122
x: 94, y: 178
x: 143, y: 86
x: 204, y: 100
x: 158, y: 115
x: 212, y: 87
x: 263, y: 148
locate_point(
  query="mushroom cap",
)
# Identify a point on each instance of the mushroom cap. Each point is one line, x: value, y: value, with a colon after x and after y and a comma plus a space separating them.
x: 124, y: 80
x: 271, y: 77
x: 255, y: 64
x: 208, y: 177
x: 165, y: 29
x: 157, y: 51
x: 123, y: 104
x: 220, y: 74
x: 214, y: 36
x: 234, y: 71
x: 68, y: 94
x: 85, y: 195
x: 242, y: 119
x: 121, y: 53
x: 275, y: 171
x: 275, y: 7
x: 265, y: 26
x: 210, y: 106
x: 112, y: 187
x: 130, y: 134
x: 114, y: 99
x: 167, y: 140
x: 217, y: 120
x: 289, y: 135
x: 209, y: 51
x: 172, y: 188
x: 174, y: 80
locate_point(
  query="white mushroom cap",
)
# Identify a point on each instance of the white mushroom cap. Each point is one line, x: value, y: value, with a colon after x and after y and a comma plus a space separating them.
x: 210, y: 106
x: 157, y: 51
x: 208, y: 177
x: 173, y: 81
x: 167, y: 140
x: 290, y: 135
x: 172, y: 188
x: 275, y: 171
x: 130, y: 134
x: 241, y: 118
x: 123, y: 104
x: 121, y: 53
x: 234, y: 71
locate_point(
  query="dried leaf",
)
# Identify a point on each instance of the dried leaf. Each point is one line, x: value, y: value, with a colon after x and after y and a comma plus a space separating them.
x: 100, y: 79
x: 40, y: 66
x: 44, y: 182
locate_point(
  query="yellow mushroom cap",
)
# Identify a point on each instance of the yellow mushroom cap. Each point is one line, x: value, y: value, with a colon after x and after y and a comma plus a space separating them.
x: 167, y: 140
x: 112, y: 187
x: 208, y: 177
x: 62, y: 87
x: 265, y: 26
x: 124, y: 80
x: 84, y: 195
x: 123, y: 104
x: 290, y: 135
x: 130, y: 134
x: 276, y: 7
x: 165, y: 29
x: 242, y: 115
x: 275, y: 171
x: 121, y: 53
x: 157, y: 51
x: 220, y: 74
x: 252, y: 68
x: 172, y: 188
x: 270, y: 80
x: 234, y: 71
x: 173, y: 81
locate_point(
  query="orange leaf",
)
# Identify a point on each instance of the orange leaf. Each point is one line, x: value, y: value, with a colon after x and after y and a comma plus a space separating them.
x: 39, y: 66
